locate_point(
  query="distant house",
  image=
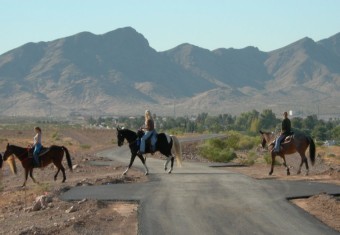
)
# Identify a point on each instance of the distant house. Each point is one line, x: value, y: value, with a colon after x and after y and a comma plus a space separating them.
x: 329, y: 142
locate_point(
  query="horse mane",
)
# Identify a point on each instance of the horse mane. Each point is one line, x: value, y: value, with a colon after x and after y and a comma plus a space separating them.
x: 12, y: 165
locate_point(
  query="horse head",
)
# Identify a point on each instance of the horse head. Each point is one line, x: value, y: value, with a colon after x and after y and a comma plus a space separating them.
x: 267, y: 138
x: 120, y: 136
x: 8, y: 152
x: 127, y: 134
x: 264, y: 141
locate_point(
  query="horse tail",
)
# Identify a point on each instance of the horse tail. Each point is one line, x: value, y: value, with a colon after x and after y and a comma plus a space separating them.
x: 68, y: 158
x: 311, y: 150
x: 178, y: 150
x: 12, y: 165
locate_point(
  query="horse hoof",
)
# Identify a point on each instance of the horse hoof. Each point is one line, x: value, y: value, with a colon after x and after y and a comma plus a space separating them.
x: 146, y: 173
x: 165, y: 169
x: 169, y: 172
x: 288, y: 173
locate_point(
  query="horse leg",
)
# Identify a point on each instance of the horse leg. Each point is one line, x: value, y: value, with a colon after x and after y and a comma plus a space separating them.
x: 132, y: 159
x: 63, y: 171
x: 144, y: 164
x: 26, y: 176
x: 166, y: 162
x: 285, y: 164
x: 272, y: 166
x: 56, y: 174
x: 31, y: 175
x: 303, y: 160
x: 172, y: 164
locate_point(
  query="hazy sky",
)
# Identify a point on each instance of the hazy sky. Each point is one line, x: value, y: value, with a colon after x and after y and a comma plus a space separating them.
x: 211, y: 24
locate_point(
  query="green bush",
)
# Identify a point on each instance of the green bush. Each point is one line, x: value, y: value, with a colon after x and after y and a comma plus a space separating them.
x: 233, y: 139
x: 217, y: 154
x: 217, y: 143
x: 223, y: 149
x: 251, y: 158
x: 268, y: 159
x: 240, y: 141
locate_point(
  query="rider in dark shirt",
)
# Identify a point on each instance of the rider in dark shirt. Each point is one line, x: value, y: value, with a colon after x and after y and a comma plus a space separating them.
x: 285, y: 131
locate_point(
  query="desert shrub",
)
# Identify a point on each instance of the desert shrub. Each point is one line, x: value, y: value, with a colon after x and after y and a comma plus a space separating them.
x: 248, y: 142
x: 85, y: 146
x: 223, y: 149
x: 268, y: 158
x: 216, y: 154
x: 232, y: 141
x: 55, y: 136
x: 217, y: 150
x: 251, y: 158
x: 217, y: 143
x: 331, y: 155
x: 41, y: 188
x: 240, y: 141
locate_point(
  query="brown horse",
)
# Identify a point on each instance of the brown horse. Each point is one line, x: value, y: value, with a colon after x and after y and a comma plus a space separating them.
x: 54, y: 155
x: 298, y: 143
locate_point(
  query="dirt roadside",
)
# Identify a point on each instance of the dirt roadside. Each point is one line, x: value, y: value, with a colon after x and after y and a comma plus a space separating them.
x: 37, y: 209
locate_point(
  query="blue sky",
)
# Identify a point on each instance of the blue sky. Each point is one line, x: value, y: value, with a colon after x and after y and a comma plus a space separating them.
x: 211, y: 24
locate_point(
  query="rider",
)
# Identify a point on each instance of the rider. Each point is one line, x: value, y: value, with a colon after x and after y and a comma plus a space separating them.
x: 149, y: 131
x: 36, y: 146
x: 285, y: 131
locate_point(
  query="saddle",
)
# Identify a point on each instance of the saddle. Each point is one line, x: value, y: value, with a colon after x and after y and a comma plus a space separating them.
x: 42, y: 152
x: 140, y: 134
x: 286, y: 140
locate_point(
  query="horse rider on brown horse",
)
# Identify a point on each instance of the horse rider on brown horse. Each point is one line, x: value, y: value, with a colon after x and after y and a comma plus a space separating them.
x: 285, y: 131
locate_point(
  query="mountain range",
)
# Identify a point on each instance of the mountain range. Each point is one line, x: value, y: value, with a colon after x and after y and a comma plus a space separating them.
x: 118, y: 73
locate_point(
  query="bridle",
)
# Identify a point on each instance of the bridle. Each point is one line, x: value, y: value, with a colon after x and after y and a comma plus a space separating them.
x: 18, y: 156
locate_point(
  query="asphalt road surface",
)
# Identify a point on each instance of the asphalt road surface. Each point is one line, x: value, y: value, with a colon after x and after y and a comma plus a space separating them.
x: 199, y: 199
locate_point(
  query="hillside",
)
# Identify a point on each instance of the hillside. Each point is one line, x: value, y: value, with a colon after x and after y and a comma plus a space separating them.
x: 118, y: 73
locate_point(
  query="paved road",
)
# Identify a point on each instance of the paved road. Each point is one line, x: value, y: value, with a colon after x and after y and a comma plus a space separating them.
x: 198, y: 199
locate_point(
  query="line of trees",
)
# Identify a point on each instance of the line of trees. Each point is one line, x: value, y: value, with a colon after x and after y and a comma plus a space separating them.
x: 249, y: 122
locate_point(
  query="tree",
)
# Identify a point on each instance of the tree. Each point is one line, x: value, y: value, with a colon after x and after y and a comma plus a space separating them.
x: 268, y: 120
x: 335, y: 133
x: 297, y: 123
x: 320, y: 132
x: 243, y: 122
x: 255, y: 125
x: 310, y: 122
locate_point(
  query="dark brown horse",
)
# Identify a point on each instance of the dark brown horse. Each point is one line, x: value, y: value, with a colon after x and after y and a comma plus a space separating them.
x: 54, y: 155
x: 298, y: 143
